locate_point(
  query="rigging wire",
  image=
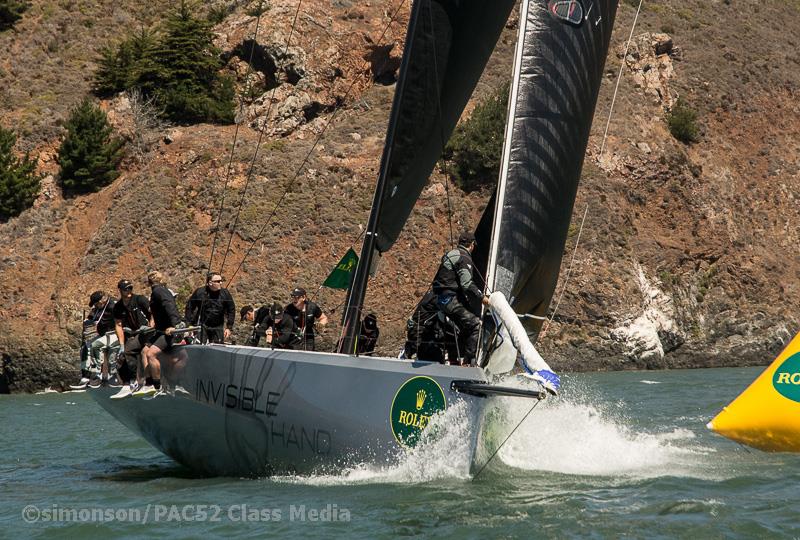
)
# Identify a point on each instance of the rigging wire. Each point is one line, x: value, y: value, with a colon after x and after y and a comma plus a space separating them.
x: 506, y: 439
x: 619, y: 78
x: 569, y: 272
x: 290, y: 183
x: 235, y: 138
x: 260, y: 134
x: 600, y: 156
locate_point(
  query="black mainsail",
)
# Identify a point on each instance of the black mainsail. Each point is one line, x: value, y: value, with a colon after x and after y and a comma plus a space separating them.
x: 559, y: 59
x: 447, y: 46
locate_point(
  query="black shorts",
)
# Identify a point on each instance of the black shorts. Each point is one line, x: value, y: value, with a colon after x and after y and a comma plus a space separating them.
x: 160, y: 340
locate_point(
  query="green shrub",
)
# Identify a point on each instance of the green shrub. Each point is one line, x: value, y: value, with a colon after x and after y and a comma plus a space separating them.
x: 177, y: 65
x: 10, y: 12
x: 89, y: 156
x: 682, y: 122
x: 128, y: 65
x: 475, y: 148
x: 19, y: 183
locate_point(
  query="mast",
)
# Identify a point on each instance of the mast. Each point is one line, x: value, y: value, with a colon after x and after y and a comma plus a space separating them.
x: 499, y: 198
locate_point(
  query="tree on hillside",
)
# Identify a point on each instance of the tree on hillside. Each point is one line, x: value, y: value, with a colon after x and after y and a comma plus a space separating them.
x: 476, y: 145
x: 10, y: 12
x: 128, y: 65
x: 193, y: 89
x: 179, y: 67
x: 19, y: 182
x: 89, y: 156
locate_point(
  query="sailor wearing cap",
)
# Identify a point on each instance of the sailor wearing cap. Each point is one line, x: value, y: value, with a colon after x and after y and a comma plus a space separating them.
x: 305, y: 314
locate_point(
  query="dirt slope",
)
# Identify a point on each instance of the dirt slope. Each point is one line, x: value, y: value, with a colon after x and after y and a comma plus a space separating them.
x: 684, y: 257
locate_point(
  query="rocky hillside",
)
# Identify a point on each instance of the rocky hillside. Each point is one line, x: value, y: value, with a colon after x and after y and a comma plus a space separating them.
x: 681, y: 261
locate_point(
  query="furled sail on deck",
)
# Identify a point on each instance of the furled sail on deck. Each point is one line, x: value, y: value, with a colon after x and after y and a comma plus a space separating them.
x: 561, y: 51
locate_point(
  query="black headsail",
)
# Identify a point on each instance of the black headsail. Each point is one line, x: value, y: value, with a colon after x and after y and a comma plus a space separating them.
x: 447, y: 46
x: 561, y: 51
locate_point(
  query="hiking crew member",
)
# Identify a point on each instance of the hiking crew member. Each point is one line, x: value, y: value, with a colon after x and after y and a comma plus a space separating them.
x: 165, y: 321
x: 452, y: 283
x: 305, y: 313
x: 281, y: 332
x: 213, y: 308
x: 131, y: 313
x: 106, y: 342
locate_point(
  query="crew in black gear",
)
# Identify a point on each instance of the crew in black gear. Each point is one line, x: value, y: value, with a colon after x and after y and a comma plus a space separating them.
x: 305, y: 313
x: 368, y: 336
x: 281, y: 332
x: 102, y: 313
x: 165, y: 320
x: 131, y: 312
x: 452, y: 285
x: 213, y: 308
x: 429, y: 336
x: 260, y: 318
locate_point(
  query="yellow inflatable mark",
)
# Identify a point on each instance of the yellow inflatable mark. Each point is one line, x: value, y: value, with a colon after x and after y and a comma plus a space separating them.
x: 767, y: 414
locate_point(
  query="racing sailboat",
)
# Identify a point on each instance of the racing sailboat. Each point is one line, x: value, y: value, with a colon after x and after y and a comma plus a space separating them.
x: 234, y: 410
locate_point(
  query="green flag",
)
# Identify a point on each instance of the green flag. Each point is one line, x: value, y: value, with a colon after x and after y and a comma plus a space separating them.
x: 339, y: 278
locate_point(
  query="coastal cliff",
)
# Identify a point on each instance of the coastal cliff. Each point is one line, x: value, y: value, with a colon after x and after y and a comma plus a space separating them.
x: 678, y: 255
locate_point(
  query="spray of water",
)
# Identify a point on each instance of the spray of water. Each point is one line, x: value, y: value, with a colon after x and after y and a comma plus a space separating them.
x: 577, y: 433
x: 581, y: 434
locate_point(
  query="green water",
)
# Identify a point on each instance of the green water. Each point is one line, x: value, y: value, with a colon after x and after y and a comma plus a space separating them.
x: 617, y: 455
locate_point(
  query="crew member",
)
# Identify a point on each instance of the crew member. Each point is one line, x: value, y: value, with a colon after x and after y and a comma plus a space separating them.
x: 213, y: 308
x: 281, y: 330
x: 451, y: 285
x: 368, y: 336
x: 260, y: 321
x: 305, y: 314
x: 131, y: 316
x: 165, y: 321
x: 106, y: 342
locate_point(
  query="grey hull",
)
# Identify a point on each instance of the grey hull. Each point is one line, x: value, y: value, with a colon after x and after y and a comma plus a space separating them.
x: 251, y: 411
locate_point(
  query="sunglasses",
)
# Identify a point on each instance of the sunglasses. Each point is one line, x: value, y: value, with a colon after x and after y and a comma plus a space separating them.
x: 217, y: 280
x: 125, y: 289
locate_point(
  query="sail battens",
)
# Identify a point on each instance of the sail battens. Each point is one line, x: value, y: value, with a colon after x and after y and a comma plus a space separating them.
x: 558, y: 70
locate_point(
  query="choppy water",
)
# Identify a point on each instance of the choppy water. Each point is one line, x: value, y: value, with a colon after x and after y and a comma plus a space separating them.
x: 617, y: 455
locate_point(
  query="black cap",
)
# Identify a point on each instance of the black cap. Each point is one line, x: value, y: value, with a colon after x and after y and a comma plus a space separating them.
x: 124, y: 284
x: 276, y: 310
x: 371, y: 321
x: 299, y: 291
x: 466, y: 238
x: 95, y: 297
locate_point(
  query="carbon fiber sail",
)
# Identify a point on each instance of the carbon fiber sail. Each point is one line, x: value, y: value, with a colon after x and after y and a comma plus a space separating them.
x: 447, y: 46
x: 559, y: 59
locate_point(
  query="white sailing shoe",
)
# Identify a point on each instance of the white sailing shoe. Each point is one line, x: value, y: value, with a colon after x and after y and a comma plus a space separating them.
x: 146, y: 390
x: 124, y: 392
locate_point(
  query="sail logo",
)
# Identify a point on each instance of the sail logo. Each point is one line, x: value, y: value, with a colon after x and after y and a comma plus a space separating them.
x: 786, y: 379
x: 413, y: 406
x: 568, y: 11
x: 572, y: 12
